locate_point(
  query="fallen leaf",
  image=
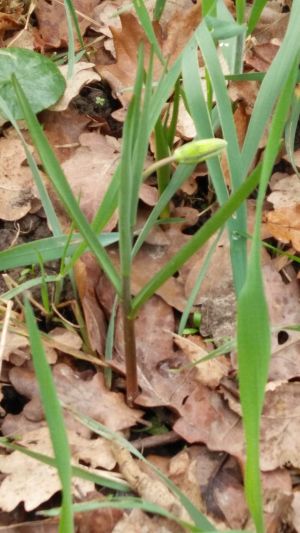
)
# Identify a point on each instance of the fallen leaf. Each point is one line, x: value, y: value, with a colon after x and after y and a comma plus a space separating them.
x: 137, y: 521
x: 24, y: 474
x: 89, y: 171
x: 121, y: 75
x: 52, y: 21
x: 63, y: 131
x: 148, y: 487
x: 87, y: 273
x: 208, y: 373
x: 87, y: 397
x: 213, y: 482
x: 156, y: 359
x: 16, y: 185
x: 83, y: 74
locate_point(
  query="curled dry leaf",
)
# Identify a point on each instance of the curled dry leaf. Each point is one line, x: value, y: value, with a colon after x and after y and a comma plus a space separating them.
x: 25, y: 474
x: 87, y: 397
x: 84, y: 73
x: 16, y: 185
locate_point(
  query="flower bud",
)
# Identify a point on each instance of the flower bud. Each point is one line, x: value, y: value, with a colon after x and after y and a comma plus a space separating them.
x: 199, y: 150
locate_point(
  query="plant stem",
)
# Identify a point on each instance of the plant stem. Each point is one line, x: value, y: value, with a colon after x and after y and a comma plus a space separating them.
x: 129, y: 344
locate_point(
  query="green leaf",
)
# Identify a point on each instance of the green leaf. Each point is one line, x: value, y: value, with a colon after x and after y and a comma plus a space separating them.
x: 38, y: 76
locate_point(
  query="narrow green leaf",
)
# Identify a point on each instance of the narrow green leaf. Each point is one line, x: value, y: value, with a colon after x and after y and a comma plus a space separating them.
x: 62, y: 186
x: 77, y: 471
x: 291, y: 129
x: 253, y: 331
x: 198, y: 239
x: 256, y: 11
x: 55, y: 420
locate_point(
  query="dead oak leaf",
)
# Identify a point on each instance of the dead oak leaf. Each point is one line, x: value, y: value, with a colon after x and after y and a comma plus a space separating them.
x: 89, y: 171
x: 87, y: 397
x: 156, y: 358
x: 213, y: 482
x: 52, y: 21
x: 16, y: 184
x: 172, y: 40
x: 24, y: 474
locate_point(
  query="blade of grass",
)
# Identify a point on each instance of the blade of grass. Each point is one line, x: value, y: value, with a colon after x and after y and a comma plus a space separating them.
x: 271, y: 87
x: 62, y: 187
x: 29, y: 284
x: 253, y: 331
x: 198, y: 239
x: 199, y: 519
x: 146, y: 23
x: 49, y: 249
x: 125, y: 503
x: 159, y: 9
x: 55, y: 420
x: 44, y: 197
x: 237, y: 246
x: 198, y: 282
x: 77, y: 471
x: 71, y: 42
x: 256, y: 11
x: 291, y: 128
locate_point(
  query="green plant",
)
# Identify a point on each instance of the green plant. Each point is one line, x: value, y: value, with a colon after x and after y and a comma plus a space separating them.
x: 274, y: 99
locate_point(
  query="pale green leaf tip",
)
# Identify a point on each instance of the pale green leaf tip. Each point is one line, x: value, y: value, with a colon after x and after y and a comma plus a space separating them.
x: 197, y: 151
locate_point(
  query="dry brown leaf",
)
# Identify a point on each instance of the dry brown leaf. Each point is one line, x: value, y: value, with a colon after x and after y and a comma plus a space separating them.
x: 284, y: 225
x: 261, y: 56
x: 88, y: 397
x: 277, y: 491
x: 16, y: 184
x: 137, y: 521
x: 121, y: 75
x: 284, y: 222
x: 208, y: 373
x: 206, y: 418
x: 52, y: 22
x: 25, y: 474
x: 213, y: 482
x: 63, y: 131
x: 89, y: 172
x: 84, y: 73
x: 148, y: 487
x: 156, y: 359
x: 87, y: 273
x: 99, y: 520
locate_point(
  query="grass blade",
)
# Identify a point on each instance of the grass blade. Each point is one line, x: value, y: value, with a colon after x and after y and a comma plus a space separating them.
x: 198, y: 239
x: 55, y: 420
x: 291, y: 128
x: 271, y: 87
x: 77, y: 471
x: 253, y: 332
x: 62, y: 187
x: 199, y: 519
x: 47, y: 249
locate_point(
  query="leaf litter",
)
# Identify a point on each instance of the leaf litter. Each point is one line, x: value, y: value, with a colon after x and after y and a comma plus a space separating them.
x: 199, y: 403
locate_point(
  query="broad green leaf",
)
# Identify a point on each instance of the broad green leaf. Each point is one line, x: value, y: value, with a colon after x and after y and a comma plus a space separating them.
x: 38, y: 76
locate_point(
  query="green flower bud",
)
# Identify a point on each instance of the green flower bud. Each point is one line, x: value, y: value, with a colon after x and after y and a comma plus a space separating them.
x: 197, y: 151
